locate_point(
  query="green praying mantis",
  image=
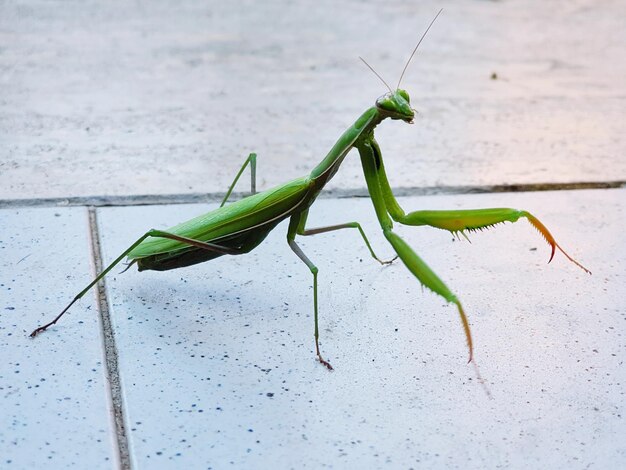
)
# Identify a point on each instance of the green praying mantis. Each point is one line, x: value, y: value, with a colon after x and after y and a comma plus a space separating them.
x: 239, y: 227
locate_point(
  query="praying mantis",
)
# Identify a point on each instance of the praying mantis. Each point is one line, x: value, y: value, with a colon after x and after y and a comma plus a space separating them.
x: 239, y: 227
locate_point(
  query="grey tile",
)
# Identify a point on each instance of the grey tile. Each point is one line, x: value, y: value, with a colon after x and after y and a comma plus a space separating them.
x: 218, y: 367
x: 54, y: 401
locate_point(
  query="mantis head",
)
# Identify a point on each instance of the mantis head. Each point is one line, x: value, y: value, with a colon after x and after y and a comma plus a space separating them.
x: 396, y: 105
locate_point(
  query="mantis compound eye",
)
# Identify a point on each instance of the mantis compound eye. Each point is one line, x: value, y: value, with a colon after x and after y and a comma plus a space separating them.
x: 386, y: 102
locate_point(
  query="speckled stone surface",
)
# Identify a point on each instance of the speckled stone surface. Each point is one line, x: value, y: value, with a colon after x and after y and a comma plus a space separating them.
x: 54, y: 410
x: 218, y: 368
x: 130, y: 98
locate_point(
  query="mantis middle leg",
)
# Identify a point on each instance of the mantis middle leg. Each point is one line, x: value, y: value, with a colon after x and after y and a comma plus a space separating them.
x: 294, y: 223
x: 301, y: 230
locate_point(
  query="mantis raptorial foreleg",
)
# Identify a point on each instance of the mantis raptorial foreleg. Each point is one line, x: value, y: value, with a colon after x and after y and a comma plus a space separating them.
x: 150, y: 233
x: 331, y: 228
x: 294, y: 222
x: 252, y: 161
x: 459, y: 221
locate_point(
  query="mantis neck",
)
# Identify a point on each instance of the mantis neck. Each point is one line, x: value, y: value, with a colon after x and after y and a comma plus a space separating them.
x: 363, y: 126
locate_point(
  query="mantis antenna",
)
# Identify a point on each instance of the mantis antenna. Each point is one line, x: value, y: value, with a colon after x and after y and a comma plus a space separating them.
x: 414, y: 50
x: 376, y: 73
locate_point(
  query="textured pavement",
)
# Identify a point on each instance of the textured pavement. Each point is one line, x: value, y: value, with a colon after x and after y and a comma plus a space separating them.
x: 129, y: 98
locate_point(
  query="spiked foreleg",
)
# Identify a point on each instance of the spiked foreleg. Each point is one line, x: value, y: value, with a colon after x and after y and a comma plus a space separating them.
x: 458, y: 221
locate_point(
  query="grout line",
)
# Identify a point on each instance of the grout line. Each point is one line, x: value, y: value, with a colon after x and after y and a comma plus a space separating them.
x: 158, y: 199
x: 110, y: 350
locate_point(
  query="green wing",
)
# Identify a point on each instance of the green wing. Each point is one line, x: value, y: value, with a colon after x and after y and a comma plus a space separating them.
x: 275, y: 203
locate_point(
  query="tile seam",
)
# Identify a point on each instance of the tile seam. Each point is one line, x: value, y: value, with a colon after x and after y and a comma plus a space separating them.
x: 110, y: 349
x: 191, y: 198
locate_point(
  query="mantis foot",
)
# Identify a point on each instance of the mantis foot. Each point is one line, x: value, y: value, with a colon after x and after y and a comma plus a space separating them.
x: 324, y: 362
x: 41, y: 329
x: 385, y: 263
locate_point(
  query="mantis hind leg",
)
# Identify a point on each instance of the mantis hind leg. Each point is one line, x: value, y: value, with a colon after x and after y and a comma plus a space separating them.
x: 460, y: 221
x: 251, y: 160
x: 295, y: 221
x: 150, y: 233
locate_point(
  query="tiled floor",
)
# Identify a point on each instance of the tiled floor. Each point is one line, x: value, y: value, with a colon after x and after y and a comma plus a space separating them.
x: 213, y: 366
x: 216, y: 361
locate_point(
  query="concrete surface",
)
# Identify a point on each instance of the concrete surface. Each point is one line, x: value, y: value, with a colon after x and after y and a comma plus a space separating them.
x: 217, y: 366
x: 169, y: 97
